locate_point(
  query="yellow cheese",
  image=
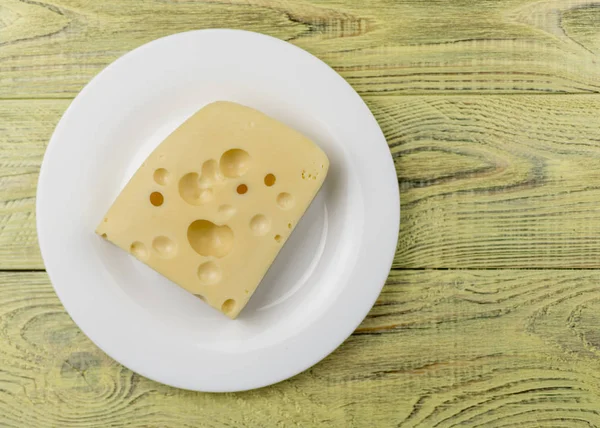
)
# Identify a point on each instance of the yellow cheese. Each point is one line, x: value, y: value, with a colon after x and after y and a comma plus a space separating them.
x: 212, y: 206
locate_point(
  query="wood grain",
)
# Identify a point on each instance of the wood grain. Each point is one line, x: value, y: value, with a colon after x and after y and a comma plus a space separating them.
x: 492, y: 182
x: 486, y: 182
x: 496, y: 181
x: 25, y: 128
x: 496, y: 348
x: 51, y: 48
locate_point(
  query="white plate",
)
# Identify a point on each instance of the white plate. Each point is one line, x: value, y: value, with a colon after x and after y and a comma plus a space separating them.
x: 325, y: 279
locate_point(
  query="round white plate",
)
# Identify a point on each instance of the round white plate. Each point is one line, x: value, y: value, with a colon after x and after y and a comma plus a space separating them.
x: 325, y: 279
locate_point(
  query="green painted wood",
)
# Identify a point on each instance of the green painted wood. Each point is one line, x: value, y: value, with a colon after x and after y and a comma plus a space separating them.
x: 485, y: 182
x: 53, y: 48
x: 492, y: 182
x: 498, y: 348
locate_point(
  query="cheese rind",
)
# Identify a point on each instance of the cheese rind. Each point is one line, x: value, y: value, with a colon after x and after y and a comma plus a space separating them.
x: 213, y: 204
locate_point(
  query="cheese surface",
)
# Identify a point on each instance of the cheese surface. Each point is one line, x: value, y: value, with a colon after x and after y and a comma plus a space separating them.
x: 214, y: 203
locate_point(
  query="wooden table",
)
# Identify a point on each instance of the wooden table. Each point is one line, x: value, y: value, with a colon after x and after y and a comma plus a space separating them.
x: 491, y: 314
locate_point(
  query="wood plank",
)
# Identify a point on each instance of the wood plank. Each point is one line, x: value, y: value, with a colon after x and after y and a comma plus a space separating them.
x: 52, y: 48
x: 25, y: 128
x: 440, y: 348
x: 486, y: 182
x: 496, y: 181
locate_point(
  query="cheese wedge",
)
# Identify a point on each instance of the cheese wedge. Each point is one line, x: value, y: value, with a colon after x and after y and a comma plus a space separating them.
x: 214, y: 203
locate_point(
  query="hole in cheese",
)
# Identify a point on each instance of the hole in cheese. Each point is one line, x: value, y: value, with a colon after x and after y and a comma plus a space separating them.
x: 278, y: 238
x: 208, y: 239
x: 285, y: 201
x: 210, y: 172
x: 191, y: 191
x: 161, y: 176
x: 209, y: 273
x: 139, y: 250
x: 156, y: 199
x: 260, y: 225
x: 235, y: 163
x: 242, y: 188
x: 269, y: 180
x: 228, y: 306
x: 164, y: 246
